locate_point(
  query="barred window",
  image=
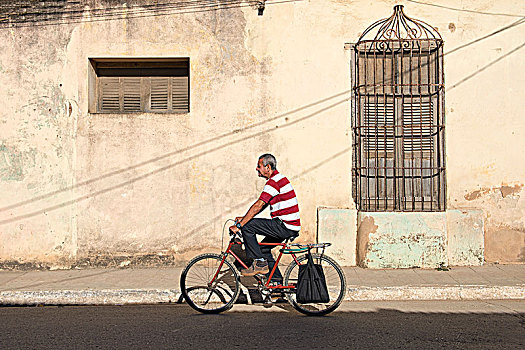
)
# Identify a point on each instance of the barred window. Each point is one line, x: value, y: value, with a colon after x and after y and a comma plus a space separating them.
x: 398, y: 117
x: 139, y: 85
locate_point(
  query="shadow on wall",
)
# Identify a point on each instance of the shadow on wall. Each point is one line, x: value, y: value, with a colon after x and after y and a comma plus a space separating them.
x: 220, y: 137
x: 234, y: 140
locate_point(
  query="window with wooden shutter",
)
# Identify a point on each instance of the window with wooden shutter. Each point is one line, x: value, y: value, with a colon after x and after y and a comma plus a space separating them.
x: 398, y: 117
x: 140, y: 85
x: 398, y: 138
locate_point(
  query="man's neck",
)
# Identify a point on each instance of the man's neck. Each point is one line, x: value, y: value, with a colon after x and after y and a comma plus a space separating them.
x: 272, y: 172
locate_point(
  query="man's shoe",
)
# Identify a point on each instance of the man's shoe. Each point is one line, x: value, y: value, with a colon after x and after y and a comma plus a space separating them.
x: 258, y: 267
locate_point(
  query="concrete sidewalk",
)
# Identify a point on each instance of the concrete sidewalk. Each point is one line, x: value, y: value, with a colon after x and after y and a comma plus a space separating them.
x: 161, y: 285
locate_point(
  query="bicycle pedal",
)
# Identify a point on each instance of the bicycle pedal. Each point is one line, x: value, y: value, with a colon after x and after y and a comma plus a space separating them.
x: 279, y: 299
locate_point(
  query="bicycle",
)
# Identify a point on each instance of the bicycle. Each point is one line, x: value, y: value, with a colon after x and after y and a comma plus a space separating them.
x: 210, y: 283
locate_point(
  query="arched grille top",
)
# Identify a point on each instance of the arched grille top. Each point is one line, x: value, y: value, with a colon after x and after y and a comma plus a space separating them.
x: 399, y: 27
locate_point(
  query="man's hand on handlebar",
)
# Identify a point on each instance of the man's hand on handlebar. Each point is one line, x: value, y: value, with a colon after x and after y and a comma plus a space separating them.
x: 235, y: 229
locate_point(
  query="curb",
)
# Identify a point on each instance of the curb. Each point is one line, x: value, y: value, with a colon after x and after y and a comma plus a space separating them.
x: 466, y: 292
x: 90, y: 297
x: 156, y: 296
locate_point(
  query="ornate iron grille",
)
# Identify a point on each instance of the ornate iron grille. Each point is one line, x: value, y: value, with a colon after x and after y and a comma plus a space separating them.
x: 398, y: 117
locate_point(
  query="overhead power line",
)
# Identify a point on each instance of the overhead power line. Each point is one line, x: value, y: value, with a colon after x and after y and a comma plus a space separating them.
x: 40, y: 13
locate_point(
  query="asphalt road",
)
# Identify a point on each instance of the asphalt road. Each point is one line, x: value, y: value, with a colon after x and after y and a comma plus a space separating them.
x: 359, y: 325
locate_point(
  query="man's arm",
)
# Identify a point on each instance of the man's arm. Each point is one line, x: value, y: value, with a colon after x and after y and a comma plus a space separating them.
x: 254, y: 210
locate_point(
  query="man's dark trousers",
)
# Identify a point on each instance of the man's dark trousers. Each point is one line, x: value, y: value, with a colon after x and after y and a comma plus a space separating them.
x: 275, y: 232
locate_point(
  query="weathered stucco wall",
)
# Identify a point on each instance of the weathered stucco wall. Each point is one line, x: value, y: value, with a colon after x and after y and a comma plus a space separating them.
x: 338, y: 227
x: 82, y: 188
x: 465, y: 237
x: 36, y: 145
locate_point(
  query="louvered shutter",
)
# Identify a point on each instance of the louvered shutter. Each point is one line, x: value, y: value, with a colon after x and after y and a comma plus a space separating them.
x: 159, y: 94
x: 417, y: 152
x: 417, y: 127
x: 131, y: 88
x: 378, y: 129
x: 109, y: 98
x: 179, y: 97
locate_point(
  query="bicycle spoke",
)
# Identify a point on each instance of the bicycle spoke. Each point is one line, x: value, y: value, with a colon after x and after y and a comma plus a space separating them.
x: 208, y: 299
x: 203, y: 294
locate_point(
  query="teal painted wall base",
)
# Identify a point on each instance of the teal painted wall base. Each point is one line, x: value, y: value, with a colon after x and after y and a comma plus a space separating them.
x: 403, y: 240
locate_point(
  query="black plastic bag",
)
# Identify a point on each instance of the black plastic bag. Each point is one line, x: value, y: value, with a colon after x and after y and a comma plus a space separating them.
x: 311, y: 284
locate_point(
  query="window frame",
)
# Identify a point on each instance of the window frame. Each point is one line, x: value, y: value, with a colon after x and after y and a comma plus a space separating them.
x: 139, y: 75
x: 378, y: 185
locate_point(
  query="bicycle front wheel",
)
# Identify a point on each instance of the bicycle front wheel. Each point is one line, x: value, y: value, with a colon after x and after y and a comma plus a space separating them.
x: 208, y: 286
x: 335, y: 281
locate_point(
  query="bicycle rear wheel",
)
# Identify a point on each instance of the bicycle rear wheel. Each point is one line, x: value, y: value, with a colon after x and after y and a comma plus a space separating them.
x: 204, y: 295
x: 335, y: 281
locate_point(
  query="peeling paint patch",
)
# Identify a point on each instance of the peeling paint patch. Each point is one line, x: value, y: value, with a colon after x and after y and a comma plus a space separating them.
x: 476, y: 194
x: 504, y: 190
x: 366, y: 226
x: 504, y: 244
x: 510, y: 190
x: 14, y: 162
x: 338, y: 226
x: 465, y: 232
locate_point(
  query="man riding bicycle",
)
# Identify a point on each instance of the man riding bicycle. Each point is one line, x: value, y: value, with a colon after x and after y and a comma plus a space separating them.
x: 285, y: 222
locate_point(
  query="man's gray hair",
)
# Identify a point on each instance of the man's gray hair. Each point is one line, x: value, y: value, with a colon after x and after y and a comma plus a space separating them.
x: 269, y: 159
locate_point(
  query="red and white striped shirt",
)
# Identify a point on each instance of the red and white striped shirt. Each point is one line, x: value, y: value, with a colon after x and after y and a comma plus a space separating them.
x: 279, y: 193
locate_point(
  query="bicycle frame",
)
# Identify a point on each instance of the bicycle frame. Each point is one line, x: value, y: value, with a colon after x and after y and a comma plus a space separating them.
x: 199, y: 284
x: 267, y: 284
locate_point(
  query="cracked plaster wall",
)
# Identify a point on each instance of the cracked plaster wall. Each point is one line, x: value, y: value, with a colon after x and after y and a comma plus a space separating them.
x: 36, y: 144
